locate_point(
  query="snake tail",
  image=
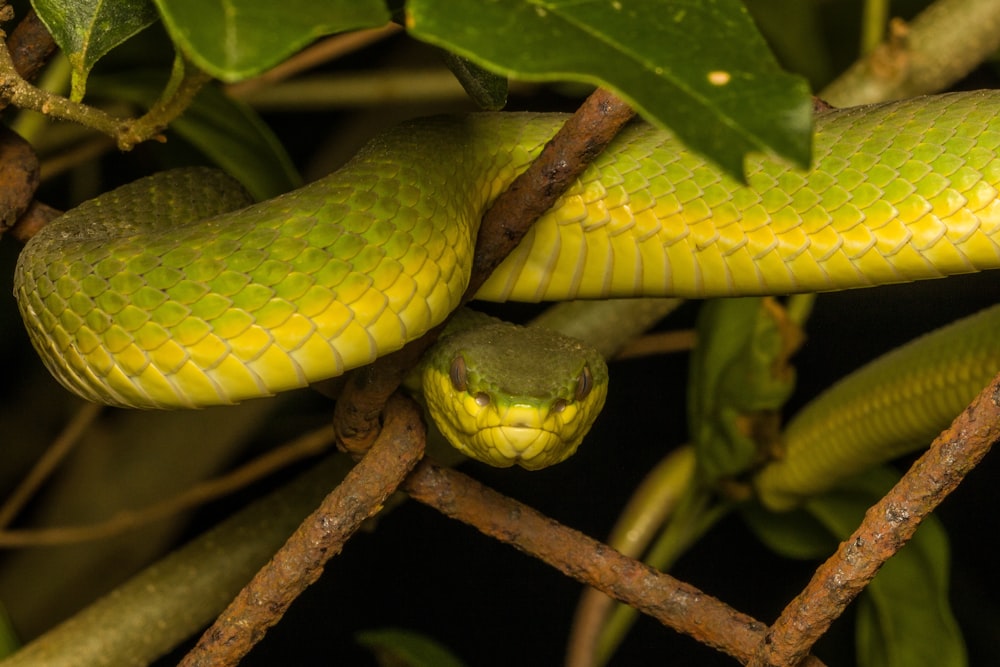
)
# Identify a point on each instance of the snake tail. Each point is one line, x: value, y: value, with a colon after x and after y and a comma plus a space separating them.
x: 890, y: 407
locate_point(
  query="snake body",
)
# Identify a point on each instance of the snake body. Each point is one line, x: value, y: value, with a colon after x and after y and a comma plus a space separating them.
x: 890, y: 407
x: 133, y: 300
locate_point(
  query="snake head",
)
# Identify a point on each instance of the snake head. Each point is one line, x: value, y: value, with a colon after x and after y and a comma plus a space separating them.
x: 506, y: 395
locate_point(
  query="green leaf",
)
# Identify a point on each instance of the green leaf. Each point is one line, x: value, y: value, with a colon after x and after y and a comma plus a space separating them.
x: 87, y: 29
x: 700, y: 68
x: 739, y: 377
x: 794, y: 31
x: 9, y: 642
x: 226, y: 131
x: 403, y: 648
x: 234, y: 137
x: 796, y: 534
x: 904, y: 617
x: 236, y: 39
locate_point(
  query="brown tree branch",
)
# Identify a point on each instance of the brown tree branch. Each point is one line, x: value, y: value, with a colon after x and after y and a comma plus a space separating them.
x: 563, y: 159
x: 674, y: 603
x: 30, y: 46
x: 887, y: 526
x: 19, y: 177
x: 321, y: 536
x: 32, y: 220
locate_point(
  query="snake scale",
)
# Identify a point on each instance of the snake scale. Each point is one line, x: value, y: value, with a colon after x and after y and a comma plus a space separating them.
x: 156, y: 308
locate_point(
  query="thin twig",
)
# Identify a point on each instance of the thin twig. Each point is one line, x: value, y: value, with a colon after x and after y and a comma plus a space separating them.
x: 153, y: 612
x: 300, y: 561
x: 53, y: 455
x: 307, y: 445
x: 887, y: 526
x: 20, y: 93
x: 661, y: 342
x: 185, y: 82
x: 127, y: 132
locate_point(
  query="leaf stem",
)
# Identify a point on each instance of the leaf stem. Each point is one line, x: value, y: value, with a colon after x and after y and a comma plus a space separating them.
x: 873, y: 21
x: 186, y: 80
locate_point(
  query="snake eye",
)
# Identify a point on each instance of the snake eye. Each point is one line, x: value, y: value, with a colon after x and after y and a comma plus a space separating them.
x: 482, y: 399
x: 584, y: 384
x: 559, y: 405
x: 457, y: 373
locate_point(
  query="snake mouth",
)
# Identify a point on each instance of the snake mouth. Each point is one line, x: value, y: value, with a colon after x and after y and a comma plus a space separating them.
x: 530, y: 447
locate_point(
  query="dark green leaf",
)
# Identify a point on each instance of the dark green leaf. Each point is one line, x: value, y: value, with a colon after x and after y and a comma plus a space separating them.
x: 739, y: 376
x: 701, y: 68
x: 9, y: 642
x: 236, y: 39
x: 794, y: 30
x: 225, y: 130
x: 87, y: 29
x: 403, y: 648
x: 795, y: 534
x: 234, y: 137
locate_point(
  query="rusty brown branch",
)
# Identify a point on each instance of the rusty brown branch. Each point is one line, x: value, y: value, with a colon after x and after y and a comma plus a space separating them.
x: 300, y: 561
x: 887, y: 526
x: 19, y: 173
x: 31, y: 222
x: 583, y: 136
x: 674, y: 603
x: 30, y: 46
x: 566, y: 156
x: 357, y: 413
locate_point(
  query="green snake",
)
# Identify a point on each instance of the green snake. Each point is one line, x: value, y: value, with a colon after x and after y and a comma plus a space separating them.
x: 152, y: 307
